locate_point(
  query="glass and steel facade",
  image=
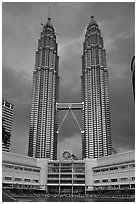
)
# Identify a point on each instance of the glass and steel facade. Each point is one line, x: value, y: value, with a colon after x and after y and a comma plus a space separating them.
x: 7, y: 115
x: 96, y: 130
x: 66, y: 177
x: 43, y: 121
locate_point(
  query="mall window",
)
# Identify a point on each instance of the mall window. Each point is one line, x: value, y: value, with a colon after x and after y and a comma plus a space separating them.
x: 79, y: 170
x: 17, y: 179
x: 7, y: 166
x: 35, y: 180
x: 114, y: 180
x: 66, y: 164
x: 11, y: 167
x: 124, y: 179
x: 113, y: 168
x: 36, y: 170
x: 79, y: 181
x: 66, y: 176
x: 105, y: 187
x: 7, y: 185
x: 52, y: 181
x: 103, y: 170
x: 27, y: 169
x: 53, y: 165
x: 7, y: 178
x: 96, y: 181
x: 27, y: 180
x: 65, y: 181
x: 104, y: 180
x: 96, y: 171
x: 79, y: 176
x: 53, y: 170
x: 53, y: 176
x: 133, y: 178
x: 132, y: 165
x: 123, y: 167
x: 18, y: 168
x: 132, y: 185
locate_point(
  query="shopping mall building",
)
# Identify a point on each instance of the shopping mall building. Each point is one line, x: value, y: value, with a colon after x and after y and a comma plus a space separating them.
x: 69, y: 176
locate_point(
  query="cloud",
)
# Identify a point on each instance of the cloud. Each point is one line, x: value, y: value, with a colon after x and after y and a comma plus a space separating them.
x: 73, y: 143
x: 15, y: 84
x: 70, y: 64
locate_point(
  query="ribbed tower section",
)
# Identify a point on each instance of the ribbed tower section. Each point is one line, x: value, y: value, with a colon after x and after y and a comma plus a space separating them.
x: 96, y: 134
x: 45, y: 93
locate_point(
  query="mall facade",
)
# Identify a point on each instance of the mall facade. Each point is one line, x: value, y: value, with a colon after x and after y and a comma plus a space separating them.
x: 69, y: 176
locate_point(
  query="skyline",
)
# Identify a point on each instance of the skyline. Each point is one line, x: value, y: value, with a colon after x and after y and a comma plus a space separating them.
x: 21, y: 30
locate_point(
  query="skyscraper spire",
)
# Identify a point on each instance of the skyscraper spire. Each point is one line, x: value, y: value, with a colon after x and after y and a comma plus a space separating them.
x: 49, y: 14
x: 92, y: 22
x: 92, y: 12
x: 49, y: 23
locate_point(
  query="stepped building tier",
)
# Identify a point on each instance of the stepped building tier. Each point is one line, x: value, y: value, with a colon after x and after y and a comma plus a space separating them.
x: 96, y: 133
x: 45, y: 92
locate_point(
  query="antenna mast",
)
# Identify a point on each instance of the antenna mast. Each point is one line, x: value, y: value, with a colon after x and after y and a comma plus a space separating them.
x: 92, y: 10
x: 49, y: 13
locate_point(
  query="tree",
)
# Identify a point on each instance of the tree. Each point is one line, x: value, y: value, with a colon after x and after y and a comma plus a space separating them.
x: 114, y: 151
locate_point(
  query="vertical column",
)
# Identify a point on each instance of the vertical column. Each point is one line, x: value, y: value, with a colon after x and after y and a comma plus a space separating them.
x: 59, y: 175
x: 45, y: 112
x: 86, y: 116
x: 49, y: 115
x: 108, y: 127
x: 53, y: 118
x: 90, y: 116
x: 72, y: 176
x: 36, y: 106
x: 31, y: 139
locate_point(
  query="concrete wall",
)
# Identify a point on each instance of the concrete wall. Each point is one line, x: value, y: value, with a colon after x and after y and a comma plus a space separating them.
x: 18, y: 159
x: 117, y: 158
x: 43, y: 164
x: 89, y: 164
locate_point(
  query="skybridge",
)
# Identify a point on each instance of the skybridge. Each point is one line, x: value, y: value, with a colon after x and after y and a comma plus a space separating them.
x: 69, y: 107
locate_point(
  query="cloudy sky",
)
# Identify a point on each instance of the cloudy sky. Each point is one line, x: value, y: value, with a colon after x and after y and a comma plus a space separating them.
x: 21, y: 27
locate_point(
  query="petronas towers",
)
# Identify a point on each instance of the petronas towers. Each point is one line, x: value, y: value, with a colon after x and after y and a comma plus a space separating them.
x: 43, y: 122
x: 96, y: 140
x: 96, y: 130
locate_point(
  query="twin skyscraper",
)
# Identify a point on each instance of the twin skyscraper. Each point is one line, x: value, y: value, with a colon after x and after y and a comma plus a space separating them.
x: 96, y: 130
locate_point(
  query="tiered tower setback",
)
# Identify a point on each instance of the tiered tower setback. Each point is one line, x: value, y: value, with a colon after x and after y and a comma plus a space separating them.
x: 96, y: 134
x: 45, y: 92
